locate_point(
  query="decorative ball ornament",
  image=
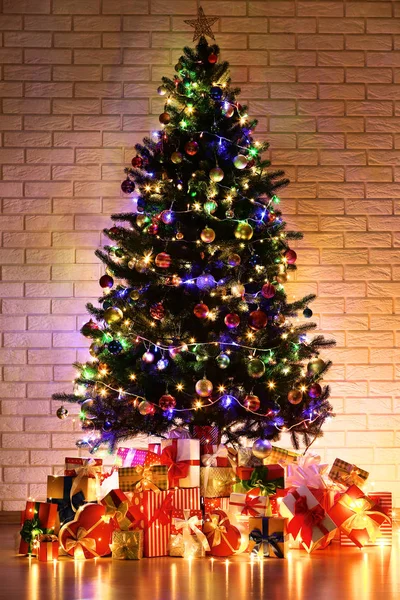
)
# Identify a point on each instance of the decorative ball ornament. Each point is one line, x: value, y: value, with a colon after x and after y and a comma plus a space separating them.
x: 87, y: 408
x: 240, y: 161
x: 94, y: 349
x: 229, y: 214
x: 234, y: 260
x: 179, y: 235
x: 243, y: 231
x: 204, y: 388
x: 232, y: 320
x: 207, y: 235
x: 176, y: 158
x: 157, y: 311
x: 106, y: 281
x: 210, y: 207
x: 315, y: 366
x: 162, y: 364
x: 216, y: 175
x: 223, y: 360
x: 268, y: 291
x: 191, y: 148
x: 216, y: 92
x: 315, y: 390
x: 141, y: 266
x: 261, y: 448
x: 162, y: 90
x: 148, y: 357
x: 114, y: 347
x: 238, y: 290
x: 164, y: 118
x: 167, y: 402
x: 163, y: 260
x: 167, y: 216
x: 201, y: 311
x: 137, y: 162
x: 134, y: 295
x: 107, y: 426
x: 127, y: 186
x: 113, y: 315
x: 146, y: 408
x: 251, y: 402
x: 255, y: 368
x: 152, y: 229
x: 290, y: 256
x: 142, y: 220
x: 212, y: 58
x: 295, y: 396
x: 258, y: 319
x: 62, y: 413
x: 89, y: 327
x: 206, y: 282
x: 229, y: 111
x: 281, y: 278
x: 307, y: 313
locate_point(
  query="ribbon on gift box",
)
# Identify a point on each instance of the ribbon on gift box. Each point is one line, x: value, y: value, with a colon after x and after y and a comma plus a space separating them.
x: 251, y: 502
x: 259, y: 479
x: 118, y: 507
x: 188, y: 524
x: 179, y: 433
x: 163, y: 513
x: 91, y: 470
x: 31, y: 531
x: 127, y: 546
x: 216, y: 530
x: 176, y: 469
x: 264, y: 540
x: 307, y: 471
x: 211, y: 459
x: 362, y: 517
x: 80, y: 540
x: 305, y: 519
x: 146, y: 479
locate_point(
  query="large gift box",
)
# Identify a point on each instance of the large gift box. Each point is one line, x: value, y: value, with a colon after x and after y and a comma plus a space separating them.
x: 36, y: 519
x: 223, y: 538
x: 308, y: 521
x: 187, y: 539
x: 138, y: 479
x: 213, y: 455
x: 347, y: 474
x: 249, y: 504
x: 216, y: 481
x: 268, y: 537
x: 384, y: 501
x: 281, y: 456
x: 118, y: 507
x: 132, y: 457
x: 182, y: 457
x: 88, y: 535
x: 127, y: 545
x: 358, y: 516
x: 74, y: 464
x: 59, y: 492
x: 47, y: 548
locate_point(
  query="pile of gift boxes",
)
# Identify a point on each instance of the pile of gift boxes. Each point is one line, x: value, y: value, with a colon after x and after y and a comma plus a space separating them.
x: 196, y: 497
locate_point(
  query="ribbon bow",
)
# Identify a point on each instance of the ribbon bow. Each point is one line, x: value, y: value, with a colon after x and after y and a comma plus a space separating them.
x: 258, y: 479
x: 163, y: 513
x: 362, y: 517
x: 146, y: 480
x: 305, y: 519
x: 126, y: 546
x: 48, y: 537
x: 307, y: 471
x: 30, y: 531
x: 252, y: 502
x: 210, y: 460
x: 90, y: 470
x: 119, y: 513
x: 176, y: 469
x: 266, y: 542
x: 216, y: 530
x: 188, y: 524
x: 78, y: 542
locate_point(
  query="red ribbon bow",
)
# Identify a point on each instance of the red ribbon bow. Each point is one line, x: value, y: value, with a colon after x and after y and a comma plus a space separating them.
x: 305, y: 519
x: 163, y: 514
x: 176, y: 470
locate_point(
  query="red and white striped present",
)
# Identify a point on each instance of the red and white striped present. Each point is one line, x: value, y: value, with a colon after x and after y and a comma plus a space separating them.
x: 133, y: 457
x: 384, y: 501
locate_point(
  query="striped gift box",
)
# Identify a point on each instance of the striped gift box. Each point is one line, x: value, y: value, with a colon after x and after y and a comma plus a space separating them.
x: 143, y: 478
x: 281, y: 456
x: 384, y: 501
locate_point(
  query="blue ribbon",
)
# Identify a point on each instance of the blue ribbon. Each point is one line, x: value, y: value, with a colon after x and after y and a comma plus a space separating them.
x: 65, y: 510
x: 267, y: 541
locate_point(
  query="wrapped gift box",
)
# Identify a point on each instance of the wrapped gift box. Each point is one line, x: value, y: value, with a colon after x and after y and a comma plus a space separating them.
x: 140, y: 478
x: 384, y: 501
x: 280, y: 456
x: 268, y: 537
x: 222, y: 536
x: 72, y: 465
x: 309, y: 471
x: 185, y: 518
x: 250, y: 504
x: 187, y: 539
x: 358, y: 516
x: 133, y: 457
x: 216, y: 481
x: 212, y: 455
x: 206, y: 434
x: 182, y: 457
x: 210, y: 504
x: 59, y: 492
x: 266, y: 478
x: 307, y: 519
x: 347, y: 474
x: 119, y: 508
x: 179, y: 547
x: 36, y: 519
x: 47, y: 548
x: 88, y: 535
x: 127, y: 545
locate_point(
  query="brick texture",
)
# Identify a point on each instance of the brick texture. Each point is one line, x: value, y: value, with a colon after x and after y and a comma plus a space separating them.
x: 78, y: 90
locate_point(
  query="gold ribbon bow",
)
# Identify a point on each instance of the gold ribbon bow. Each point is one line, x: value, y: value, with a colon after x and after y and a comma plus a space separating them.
x: 118, y: 513
x: 188, y: 524
x: 127, y: 547
x: 89, y: 470
x: 362, y: 517
x: 79, y: 541
x: 145, y: 483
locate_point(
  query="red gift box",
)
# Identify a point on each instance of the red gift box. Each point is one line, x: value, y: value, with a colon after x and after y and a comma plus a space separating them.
x: 358, y: 516
x: 213, y: 455
x: 88, y: 535
x: 182, y: 457
x: 179, y: 515
x: 132, y: 457
x: 223, y: 538
x: 210, y: 504
x: 41, y: 516
x: 72, y: 465
x: 47, y: 548
x: 384, y: 501
x: 207, y: 434
x: 118, y: 507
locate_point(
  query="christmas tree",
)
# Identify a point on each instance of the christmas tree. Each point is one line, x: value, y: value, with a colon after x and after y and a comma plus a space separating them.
x: 194, y: 327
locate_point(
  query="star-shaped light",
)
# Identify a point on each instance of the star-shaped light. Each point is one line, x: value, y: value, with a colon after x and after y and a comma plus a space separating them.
x: 202, y: 25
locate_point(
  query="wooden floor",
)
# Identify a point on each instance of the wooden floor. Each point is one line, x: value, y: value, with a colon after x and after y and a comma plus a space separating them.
x: 331, y: 574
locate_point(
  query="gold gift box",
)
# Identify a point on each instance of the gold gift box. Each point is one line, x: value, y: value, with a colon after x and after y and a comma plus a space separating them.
x: 177, y: 547
x: 220, y: 481
x: 139, y: 479
x: 127, y: 545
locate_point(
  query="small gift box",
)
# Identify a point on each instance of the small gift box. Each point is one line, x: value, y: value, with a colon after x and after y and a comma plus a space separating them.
x: 212, y: 455
x: 138, y: 479
x: 187, y: 539
x: 207, y: 434
x: 268, y: 537
x: 309, y: 471
x: 155, y: 448
x: 133, y: 457
x: 384, y: 501
x: 37, y: 518
x: 72, y: 465
x: 223, y: 538
x: 118, y: 508
x: 47, y: 548
x: 127, y: 545
x: 358, y: 516
x: 248, y: 505
x: 281, y: 456
x: 216, y: 481
x: 88, y: 535
x: 182, y: 458
x: 347, y: 474
x: 210, y: 504
x: 308, y: 521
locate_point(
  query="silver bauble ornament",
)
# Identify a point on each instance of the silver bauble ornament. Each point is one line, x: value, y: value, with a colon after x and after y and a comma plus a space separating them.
x: 261, y: 448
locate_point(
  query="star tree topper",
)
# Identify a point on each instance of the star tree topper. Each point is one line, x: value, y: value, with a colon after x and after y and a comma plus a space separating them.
x: 202, y: 25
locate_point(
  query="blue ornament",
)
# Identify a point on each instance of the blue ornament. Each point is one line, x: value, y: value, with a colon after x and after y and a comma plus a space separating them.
x: 162, y: 364
x: 216, y: 92
x: 206, y: 282
x: 227, y: 400
x: 114, y: 347
x: 307, y: 313
x: 140, y: 203
x: 107, y: 426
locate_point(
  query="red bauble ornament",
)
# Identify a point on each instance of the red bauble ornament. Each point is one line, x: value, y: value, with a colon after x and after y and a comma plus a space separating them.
x: 291, y: 257
x: 164, y: 118
x: 157, y: 311
x: 191, y: 148
x: 257, y: 319
x: 114, y: 230
x: 232, y: 320
x: 152, y: 229
x: 88, y: 327
x: 212, y: 58
x: 268, y: 290
x: 163, y: 260
x: 137, y: 162
x: 127, y: 186
x: 315, y: 390
x: 167, y: 402
x: 106, y: 281
x: 252, y: 402
x: 201, y: 311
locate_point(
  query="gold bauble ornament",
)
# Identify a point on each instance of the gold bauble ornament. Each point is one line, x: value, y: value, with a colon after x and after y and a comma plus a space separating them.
x: 62, y: 413
x: 243, y: 231
x: 295, y: 396
x: 207, y: 235
x: 240, y: 161
x: 216, y: 175
x: 176, y: 158
x: 316, y: 366
x: 146, y: 408
x: 256, y: 368
x: 134, y: 295
x: 94, y: 349
x: 204, y: 388
x: 234, y: 260
x: 142, y: 220
x: 141, y: 266
x: 113, y: 315
x: 164, y: 118
x: 261, y: 448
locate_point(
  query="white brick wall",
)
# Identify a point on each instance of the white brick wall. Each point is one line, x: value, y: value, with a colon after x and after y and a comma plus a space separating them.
x: 78, y: 90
